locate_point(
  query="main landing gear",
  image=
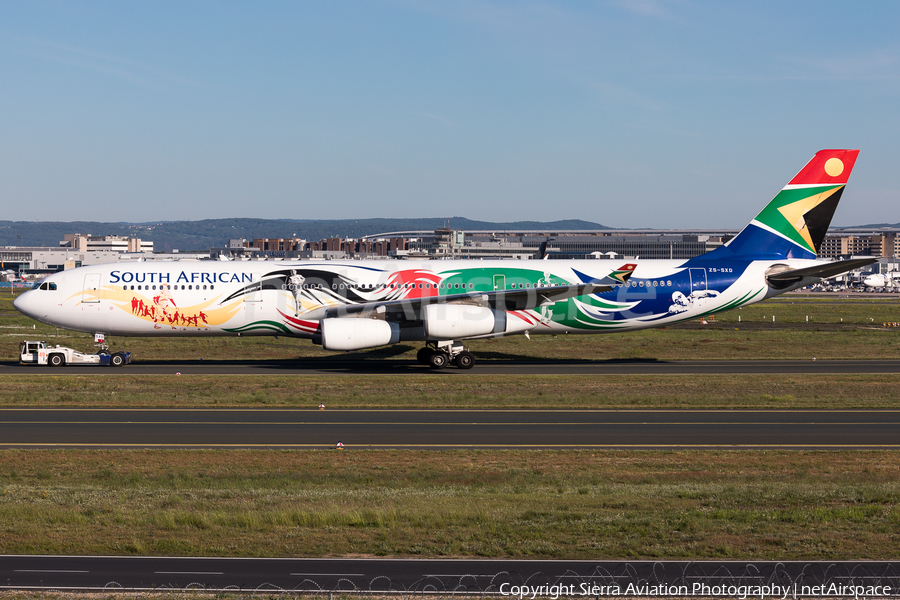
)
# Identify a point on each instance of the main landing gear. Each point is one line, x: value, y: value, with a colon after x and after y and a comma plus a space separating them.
x: 438, y: 355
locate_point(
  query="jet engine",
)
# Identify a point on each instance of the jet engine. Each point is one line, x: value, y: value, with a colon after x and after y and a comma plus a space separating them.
x: 356, y: 334
x: 459, y: 321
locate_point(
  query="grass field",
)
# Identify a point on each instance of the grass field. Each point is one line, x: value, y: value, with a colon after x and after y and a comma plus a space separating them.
x: 558, y: 504
x: 578, y: 504
x: 470, y: 391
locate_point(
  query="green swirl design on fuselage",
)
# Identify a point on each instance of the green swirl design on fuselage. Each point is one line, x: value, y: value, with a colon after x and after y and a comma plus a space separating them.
x: 484, y: 279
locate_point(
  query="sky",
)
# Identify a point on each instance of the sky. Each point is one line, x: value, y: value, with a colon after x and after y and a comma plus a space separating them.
x: 644, y: 113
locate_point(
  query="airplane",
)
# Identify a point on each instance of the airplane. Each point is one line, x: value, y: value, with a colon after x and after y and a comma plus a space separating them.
x: 354, y: 305
x: 9, y: 275
x: 891, y: 279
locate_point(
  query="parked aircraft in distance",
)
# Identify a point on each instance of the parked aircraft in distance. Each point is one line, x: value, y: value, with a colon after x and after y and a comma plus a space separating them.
x: 875, y: 280
x: 352, y: 305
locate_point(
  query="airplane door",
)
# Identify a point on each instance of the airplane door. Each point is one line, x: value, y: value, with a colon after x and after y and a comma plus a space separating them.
x: 91, y: 291
x: 698, y: 279
x: 499, y: 282
x: 254, y: 292
x: 253, y: 305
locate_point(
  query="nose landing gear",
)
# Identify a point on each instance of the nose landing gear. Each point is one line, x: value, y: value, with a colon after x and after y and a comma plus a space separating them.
x: 438, y: 355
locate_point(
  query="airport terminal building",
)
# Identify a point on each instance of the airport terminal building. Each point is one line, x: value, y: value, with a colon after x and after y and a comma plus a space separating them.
x: 78, y: 250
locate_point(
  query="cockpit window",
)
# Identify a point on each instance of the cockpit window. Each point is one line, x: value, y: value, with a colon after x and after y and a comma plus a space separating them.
x: 46, y: 286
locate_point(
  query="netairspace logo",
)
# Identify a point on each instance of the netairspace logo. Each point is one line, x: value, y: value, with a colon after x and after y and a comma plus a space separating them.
x: 741, y: 592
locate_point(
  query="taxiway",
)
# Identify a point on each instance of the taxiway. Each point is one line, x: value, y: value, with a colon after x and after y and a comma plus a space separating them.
x: 443, y: 429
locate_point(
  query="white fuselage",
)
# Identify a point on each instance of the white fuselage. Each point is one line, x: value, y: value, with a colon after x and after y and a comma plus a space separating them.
x: 882, y: 279
x: 188, y: 298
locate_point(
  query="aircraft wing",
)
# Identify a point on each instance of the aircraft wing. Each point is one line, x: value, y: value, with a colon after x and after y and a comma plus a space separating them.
x: 823, y: 271
x: 507, y: 299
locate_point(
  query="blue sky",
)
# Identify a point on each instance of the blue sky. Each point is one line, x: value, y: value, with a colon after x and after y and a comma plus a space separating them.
x: 651, y: 113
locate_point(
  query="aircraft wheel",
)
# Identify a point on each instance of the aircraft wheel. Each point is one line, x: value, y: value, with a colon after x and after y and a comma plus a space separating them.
x: 465, y: 360
x: 56, y: 360
x: 438, y: 360
x: 116, y: 360
x: 423, y: 356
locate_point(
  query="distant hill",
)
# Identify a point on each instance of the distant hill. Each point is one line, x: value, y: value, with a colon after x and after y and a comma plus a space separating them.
x: 209, y: 233
x: 875, y: 226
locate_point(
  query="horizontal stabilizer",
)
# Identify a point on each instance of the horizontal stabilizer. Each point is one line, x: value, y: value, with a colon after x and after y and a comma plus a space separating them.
x: 823, y: 271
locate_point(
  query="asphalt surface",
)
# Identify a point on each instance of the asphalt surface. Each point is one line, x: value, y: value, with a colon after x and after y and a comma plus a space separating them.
x: 404, y: 367
x: 442, y: 429
x: 440, y: 576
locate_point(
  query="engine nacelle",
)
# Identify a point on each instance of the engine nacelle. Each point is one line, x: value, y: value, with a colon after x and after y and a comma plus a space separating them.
x: 458, y: 321
x: 356, y: 334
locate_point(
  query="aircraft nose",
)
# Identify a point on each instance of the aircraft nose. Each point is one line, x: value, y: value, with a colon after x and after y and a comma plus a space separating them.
x: 22, y: 303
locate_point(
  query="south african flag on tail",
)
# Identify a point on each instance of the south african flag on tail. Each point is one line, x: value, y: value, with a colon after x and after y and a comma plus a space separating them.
x: 795, y: 222
x: 622, y: 274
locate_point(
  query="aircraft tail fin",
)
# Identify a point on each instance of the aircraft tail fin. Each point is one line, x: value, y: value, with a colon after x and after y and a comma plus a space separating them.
x: 795, y: 222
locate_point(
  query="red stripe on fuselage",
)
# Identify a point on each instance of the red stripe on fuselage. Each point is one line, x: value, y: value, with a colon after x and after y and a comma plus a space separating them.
x: 305, y: 326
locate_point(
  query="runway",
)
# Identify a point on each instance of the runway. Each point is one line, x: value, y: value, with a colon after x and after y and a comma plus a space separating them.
x: 406, y: 367
x: 446, y: 429
x: 493, y: 577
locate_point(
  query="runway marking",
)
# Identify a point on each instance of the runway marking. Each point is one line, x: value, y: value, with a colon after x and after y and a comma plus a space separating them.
x: 476, y: 411
x: 188, y: 573
x: 328, y: 574
x: 463, y: 575
x: 48, y: 571
x: 661, y: 424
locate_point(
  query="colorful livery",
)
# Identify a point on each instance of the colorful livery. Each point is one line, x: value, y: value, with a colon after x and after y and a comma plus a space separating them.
x: 352, y: 305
